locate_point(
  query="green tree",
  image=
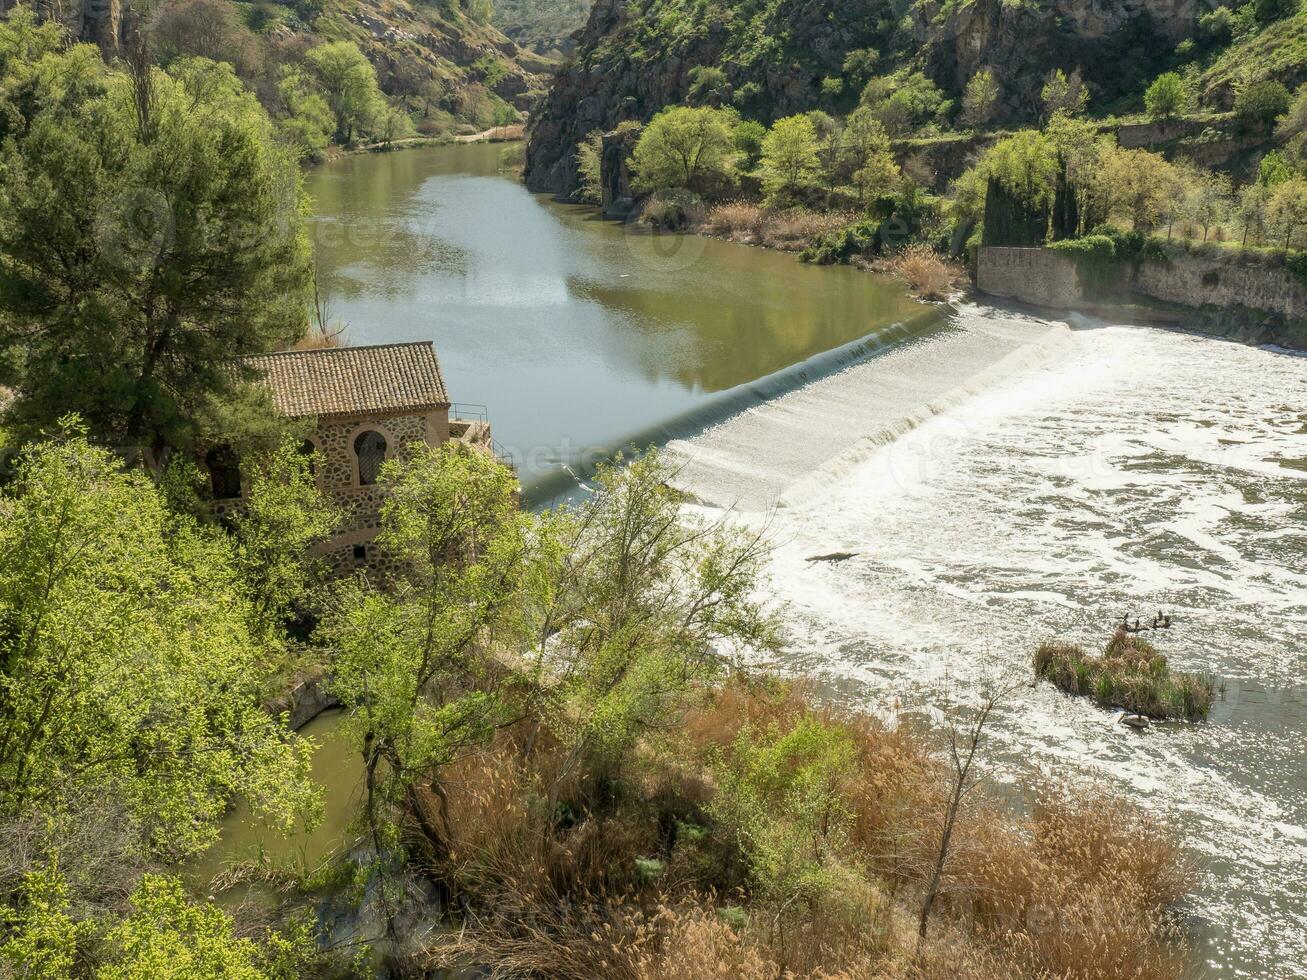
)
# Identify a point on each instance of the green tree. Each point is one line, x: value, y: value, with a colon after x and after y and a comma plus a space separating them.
x: 859, y: 64
x: 1287, y: 209
x: 708, y: 86
x: 789, y: 162
x: 747, y: 137
x: 831, y: 157
x: 873, y: 168
x: 284, y: 517
x: 42, y: 938
x: 1210, y: 196
x: 1063, y: 93
x: 904, y: 100
x: 150, y: 230
x: 980, y: 98
x: 1291, y: 130
x: 309, y: 122
x: 414, y: 663
x: 1253, y: 210
x: 641, y: 606
x: 1259, y: 105
x: 1167, y: 97
x: 349, y: 84
x: 684, y: 147
x: 589, y: 160
x: 131, y: 667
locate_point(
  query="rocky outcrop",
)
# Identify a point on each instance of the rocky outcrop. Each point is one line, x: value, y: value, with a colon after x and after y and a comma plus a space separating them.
x: 615, y: 172
x: 304, y: 699
x: 633, y: 57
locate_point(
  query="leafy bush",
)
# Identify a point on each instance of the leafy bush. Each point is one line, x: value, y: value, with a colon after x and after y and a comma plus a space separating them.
x: 1167, y: 97
x: 1259, y: 105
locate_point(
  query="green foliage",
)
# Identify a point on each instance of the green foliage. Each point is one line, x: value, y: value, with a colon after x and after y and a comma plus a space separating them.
x: 789, y: 158
x: 1273, y: 10
x: 1167, y: 97
x: 1217, y: 26
x: 412, y: 662
x: 309, y: 122
x: 1063, y: 94
x: 644, y: 604
x: 708, y: 86
x: 1287, y: 210
x: 1130, y: 674
x: 349, y: 84
x: 42, y: 938
x: 167, y: 936
x: 979, y: 98
x: 140, y: 251
x: 784, y: 796
x: 904, y: 100
x: 132, y: 669
x: 589, y: 162
x: 684, y: 147
x: 747, y: 137
x: 859, y: 64
x: 1260, y: 104
x: 283, y: 516
x: 1026, y: 165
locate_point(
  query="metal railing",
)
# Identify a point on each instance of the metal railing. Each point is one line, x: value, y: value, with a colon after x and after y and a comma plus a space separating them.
x: 469, y: 411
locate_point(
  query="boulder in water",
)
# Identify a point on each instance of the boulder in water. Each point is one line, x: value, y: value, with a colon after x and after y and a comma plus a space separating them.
x: 833, y: 556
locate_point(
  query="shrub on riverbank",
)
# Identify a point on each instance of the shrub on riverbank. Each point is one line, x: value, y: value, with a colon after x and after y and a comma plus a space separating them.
x: 763, y: 836
x: 1130, y: 674
x: 927, y: 273
x: 787, y: 230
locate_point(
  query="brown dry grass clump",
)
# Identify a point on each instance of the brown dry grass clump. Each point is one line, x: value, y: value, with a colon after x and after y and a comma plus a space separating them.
x: 927, y: 273
x: 320, y: 338
x: 794, y: 230
x: 790, y: 230
x: 736, y: 221
x: 635, y: 871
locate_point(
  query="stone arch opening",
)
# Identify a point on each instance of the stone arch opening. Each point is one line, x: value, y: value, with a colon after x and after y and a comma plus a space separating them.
x: 370, y: 452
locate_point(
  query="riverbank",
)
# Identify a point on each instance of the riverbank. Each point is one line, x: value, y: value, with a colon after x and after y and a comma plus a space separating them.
x: 495, y: 134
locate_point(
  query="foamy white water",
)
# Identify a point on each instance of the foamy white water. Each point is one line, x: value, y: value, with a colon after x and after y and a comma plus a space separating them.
x: 1015, y: 479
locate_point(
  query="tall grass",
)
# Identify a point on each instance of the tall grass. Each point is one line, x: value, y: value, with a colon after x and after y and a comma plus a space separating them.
x: 789, y: 230
x: 927, y: 273
x: 638, y: 870
x: 1130, y: 674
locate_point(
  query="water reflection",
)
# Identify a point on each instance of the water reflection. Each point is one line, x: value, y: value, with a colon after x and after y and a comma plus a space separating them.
x: 576, y: 332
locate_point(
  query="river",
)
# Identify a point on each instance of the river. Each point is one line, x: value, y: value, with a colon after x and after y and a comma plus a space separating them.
x: 1000, y: 479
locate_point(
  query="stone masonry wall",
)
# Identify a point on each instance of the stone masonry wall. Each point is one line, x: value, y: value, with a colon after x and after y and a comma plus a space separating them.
x: 1030, y: 275
x: 1197, y: 281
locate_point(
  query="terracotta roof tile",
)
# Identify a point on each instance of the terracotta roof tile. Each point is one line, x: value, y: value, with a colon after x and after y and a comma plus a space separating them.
x: 353, y: 380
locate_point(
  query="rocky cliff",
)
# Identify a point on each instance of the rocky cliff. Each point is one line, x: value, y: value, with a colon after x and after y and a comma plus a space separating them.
x: 635, y: 56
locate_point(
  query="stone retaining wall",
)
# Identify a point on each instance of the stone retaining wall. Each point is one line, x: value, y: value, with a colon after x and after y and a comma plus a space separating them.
x: 1030, y: 275
x: 1197, y: 281
x: 1245, y: 297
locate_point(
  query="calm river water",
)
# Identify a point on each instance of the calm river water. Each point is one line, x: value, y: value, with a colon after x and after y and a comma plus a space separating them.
x: 1001, y: 479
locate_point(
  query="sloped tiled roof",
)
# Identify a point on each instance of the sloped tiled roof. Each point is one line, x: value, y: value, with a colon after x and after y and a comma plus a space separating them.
x: 353, y: 380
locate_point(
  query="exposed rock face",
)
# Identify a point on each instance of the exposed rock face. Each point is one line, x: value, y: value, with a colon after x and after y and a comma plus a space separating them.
x: 634, y: 57
x: 615, y: 172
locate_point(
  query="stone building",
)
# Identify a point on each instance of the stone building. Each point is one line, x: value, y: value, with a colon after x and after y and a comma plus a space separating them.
x: 368, y: 405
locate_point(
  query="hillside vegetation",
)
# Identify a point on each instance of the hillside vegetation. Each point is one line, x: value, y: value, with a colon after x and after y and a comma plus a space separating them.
x: 544, y: 26
x: 437, y: 65
x: 768, y: 59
